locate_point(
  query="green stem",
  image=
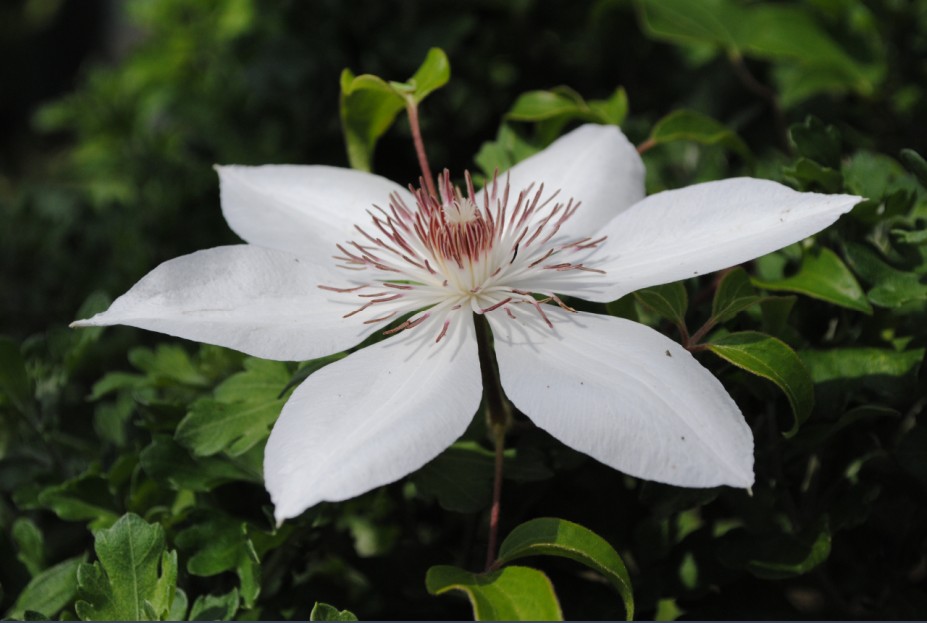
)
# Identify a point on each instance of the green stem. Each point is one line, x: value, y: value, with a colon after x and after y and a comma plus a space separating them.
x: 498, y: 419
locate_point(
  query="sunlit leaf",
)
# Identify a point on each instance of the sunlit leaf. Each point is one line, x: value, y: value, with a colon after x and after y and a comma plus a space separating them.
x: 325, y: 612
x: 134, y: 577
x: 774, y: 360
x: 823, y: 276
x: 509, y: 594
x: 559, y: 537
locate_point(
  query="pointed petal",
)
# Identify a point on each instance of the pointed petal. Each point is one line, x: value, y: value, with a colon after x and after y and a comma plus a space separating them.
x: 260, y: 301
x: 706, y: 227
x: 302, y: 209
x: 626, y: 396
x: 373, y: 417
x: 594, y: 164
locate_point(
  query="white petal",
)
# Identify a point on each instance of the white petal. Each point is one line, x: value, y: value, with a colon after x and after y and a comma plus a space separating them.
x: 373, y: 417
x: 263, y: 302
x: 626, y: 396
x: 302, y: 209
x: 706, y: 227
x: 594, y: 164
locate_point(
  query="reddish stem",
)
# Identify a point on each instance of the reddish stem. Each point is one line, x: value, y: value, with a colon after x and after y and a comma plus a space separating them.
x: 412, y: 109
x: 646, y: 145
x: 499, y: 435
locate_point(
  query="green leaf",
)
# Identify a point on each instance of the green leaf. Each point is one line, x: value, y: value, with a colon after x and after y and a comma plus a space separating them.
x: 14, y: 382
x: 888, y: 373
x: 85, y: 498
x: 688, y: 125
x: 134, y: 578
x: 817, y: 141
x: 219, y: 543
x: 809, y: 175
x: 509, y: 594
x: 823, y: 276
x: 733, y: 295
x: 49, y: 591
x: 669, y: 300
x: 559, y: 537
x: 30, y: 545
x: 505, y: 152
x: 892, y: 287
x: 245, y: 407
x: 916, y: 164
x: 369, y: 104
x: 460, y: 478
x: 541, y: 105
x: 774, y: 360
x: 776, y: 556
x: 167, y: 364
x: 325, y: 612
x: 368, y: 108
x: 166, y: 461
x: 683, y: 21
x: 215, y: 607
x: 433, y: 74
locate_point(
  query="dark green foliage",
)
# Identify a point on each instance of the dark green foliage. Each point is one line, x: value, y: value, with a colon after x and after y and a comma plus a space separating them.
x: 121, y: 440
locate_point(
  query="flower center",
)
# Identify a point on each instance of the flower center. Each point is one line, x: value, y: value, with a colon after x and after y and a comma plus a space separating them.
x: 478, y: 250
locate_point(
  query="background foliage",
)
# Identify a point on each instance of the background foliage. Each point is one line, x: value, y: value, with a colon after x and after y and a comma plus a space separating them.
x: 112, y: 116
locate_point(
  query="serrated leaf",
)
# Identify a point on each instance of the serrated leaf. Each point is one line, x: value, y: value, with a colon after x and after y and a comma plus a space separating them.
x: 669, y: 300
x: 215, y: 607
x: 49, y: 591
x: 688, y: 125
x: 134, y: 578
x: 558, y: 537
x: 734, y: 294
x: 167, y: 363
x: 14, y: 381
x: 509, y: 594
x: 325, y: 612
x: 823, y: 276
x: 774, y: 360
x: 212, y: 426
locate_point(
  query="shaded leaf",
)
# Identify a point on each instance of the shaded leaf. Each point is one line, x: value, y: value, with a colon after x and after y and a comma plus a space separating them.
x: 776, y: 556
x: 14, y: 382
x: 817, y: 141
x: 30, y: 545
x: 823, y: 276
x: 688, y: 125
x: 891, y: 287
x: 85, y: 498
x: 509, y: 594
x: 733, y: 295
x: 916, y: 164
x: 774, y: 360
x: 669, y: 300
x: 215, y: 607
x: 166, y: 461
x: 558, y: 537
x: 325, y: 612
x: 507, y: 150
x: 49, y: 591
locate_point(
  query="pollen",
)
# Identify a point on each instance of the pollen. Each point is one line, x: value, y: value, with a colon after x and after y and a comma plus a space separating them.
x: 479, y: 250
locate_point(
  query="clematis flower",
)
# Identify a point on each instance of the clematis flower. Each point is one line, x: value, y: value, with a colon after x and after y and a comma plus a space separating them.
x: 334, y: 255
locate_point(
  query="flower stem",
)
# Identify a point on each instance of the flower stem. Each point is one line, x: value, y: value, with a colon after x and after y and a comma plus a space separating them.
x: 412, y: 109
x: 498, y: 419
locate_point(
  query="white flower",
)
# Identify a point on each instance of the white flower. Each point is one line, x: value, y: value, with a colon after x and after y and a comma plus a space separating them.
x: 571, y: 220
